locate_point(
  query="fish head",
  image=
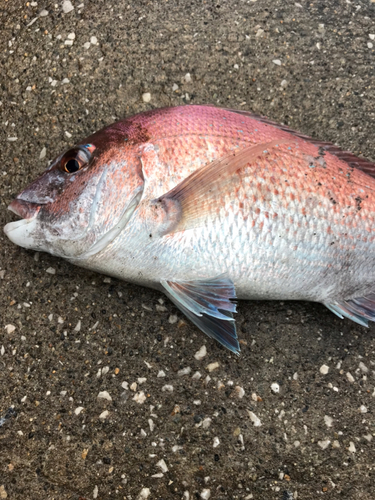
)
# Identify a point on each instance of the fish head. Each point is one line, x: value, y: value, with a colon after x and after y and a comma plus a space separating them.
x: 82, y: 201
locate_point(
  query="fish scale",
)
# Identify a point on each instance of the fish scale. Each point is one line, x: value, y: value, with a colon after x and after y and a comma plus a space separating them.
x: 209, y: 205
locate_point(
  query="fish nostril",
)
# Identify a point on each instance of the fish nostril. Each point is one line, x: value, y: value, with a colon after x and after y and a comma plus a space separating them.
x: 23, y: 208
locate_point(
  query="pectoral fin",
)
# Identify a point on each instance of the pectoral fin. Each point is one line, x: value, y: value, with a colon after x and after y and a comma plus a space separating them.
x: 209, y: 305
x: 202, y: 193
x: 360, y: 310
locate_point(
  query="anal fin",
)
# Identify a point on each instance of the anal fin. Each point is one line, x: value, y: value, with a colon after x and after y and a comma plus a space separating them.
x: 361, y: 310
x: 209, y: 305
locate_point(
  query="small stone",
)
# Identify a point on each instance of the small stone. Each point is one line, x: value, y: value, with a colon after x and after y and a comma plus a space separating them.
x: 2, y: 350
x: 184, y: 371
x: 275, y: 387
x: 199, y: 355
x: 167, y: 388
x: 277, y: 62
x: 151, y: 424
x: 141, y: 380
x: 125, y: 385
x: 335, y: 444
x: 104, y: 415
x: 86, y: 45
x: 42, y: 154
x: 145, y: 493
x: 3, y: 493
x: 259, y: 33
x: 104, y: 395
x: 133, y: 386
x: 172, y: 319
x: 84, y: 453
x: 324, y: 369
x: 239, y: 391
x: 65, y: 81
x: 372, y: 37
x: 43, y: 13
x: 95, y: 492
x: 350, y: 377
x: 328, y: 421
x: 68, y: 134
x: 140, y: 397
x: 324, y: 444
x: 256, y: 421
x: 175, y: 87
x: 51, y: 270
x: 93, y: 40
x: 352, y: 447
x: 71, y: 36
x: 363, y: 367
x: 77, y: 328
x: 212, y: 366
x: 370, y: 45
x: 162, y: 465
x: 206, y: 423
x: 216, y: 442
x: 67, y: 6
x: 160, y: 374
x: 78, y: 410
x: 205, y: 494
x: 146, y: 97
x: 188, y: 77
x: 117, y: 371
x: 10, y: 328
x: 196, y: 376
x: 363, y: 409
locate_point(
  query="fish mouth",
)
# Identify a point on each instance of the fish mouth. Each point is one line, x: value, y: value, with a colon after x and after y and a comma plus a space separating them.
x: 24, y: 209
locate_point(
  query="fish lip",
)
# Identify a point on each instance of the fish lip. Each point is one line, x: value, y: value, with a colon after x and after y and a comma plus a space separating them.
x: 24, y: 209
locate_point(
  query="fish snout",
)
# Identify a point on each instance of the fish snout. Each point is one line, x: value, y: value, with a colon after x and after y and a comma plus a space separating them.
x: 24, y: 208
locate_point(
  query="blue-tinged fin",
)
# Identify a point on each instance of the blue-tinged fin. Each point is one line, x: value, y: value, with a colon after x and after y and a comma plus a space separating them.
x: 361, y: 310
x: 208, y: 303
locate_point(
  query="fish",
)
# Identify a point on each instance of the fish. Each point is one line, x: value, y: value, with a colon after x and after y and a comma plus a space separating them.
x: 210, y: 206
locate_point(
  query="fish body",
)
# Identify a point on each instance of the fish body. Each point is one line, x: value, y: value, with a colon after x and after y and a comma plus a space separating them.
x: 209, y: 205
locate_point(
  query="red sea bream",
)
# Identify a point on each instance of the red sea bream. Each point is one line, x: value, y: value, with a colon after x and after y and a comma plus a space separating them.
x: 210, y: 205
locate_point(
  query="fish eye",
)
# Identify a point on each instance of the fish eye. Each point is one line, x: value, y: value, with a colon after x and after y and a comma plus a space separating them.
x: 71, y: 166
x: 75, y: 159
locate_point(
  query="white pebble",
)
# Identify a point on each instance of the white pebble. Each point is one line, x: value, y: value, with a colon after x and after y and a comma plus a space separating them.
x: 363, y: 367
x: 12, y: 139
x: 146, y: 97
x: 71, y: 36
x: 93, y: 40
x: 352, y: 447
x: 86, y: 45
x: 324, y: 369
x: 196, y: 376
x: 324, y: 444
x: 162, y: 465
x: 68, y: 134
x: 104, y: 395
x: 368, y: 437
x: 239, y: 391
x: 275, y: 387
x: 140, y: 397
x: 256, y: 421
x: 105, y: 370
x: 167, y: 388
x: 277, y: 62
x: 104, y: 415
x: 67, y: 6
x: 160, y: 374
x: 42, y: 154
x: 363, y: 409
x: 10, y: 328
x: 68, y: 42
x: 216, y: 442
x: 133, y: 386
x: 66, y: 80
x: 259, y: 33
x: 174, y: 87
x: 2, y: 350
x: 184, y: 371
x: 125, y: 385
x: 328, y: 421
x: 335, y: 444
x: 187, y: 78
x: 151, y: 424
x: 78, y: 410
x: 370, y: 45
x: 350, y: 377
x: 95, y: 492
x: 172, y: 319
x: 206, y: 423
x: 43, y: 13
x: 205, y: 494
x: 372, y: 37
x: 145, y: 493
x: 141, y: 380
x: 199, y: 355
x: 212, y: 366
x: 77, y: 328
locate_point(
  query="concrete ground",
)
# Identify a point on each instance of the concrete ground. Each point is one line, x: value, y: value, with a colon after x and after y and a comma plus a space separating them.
x: 293, y: 416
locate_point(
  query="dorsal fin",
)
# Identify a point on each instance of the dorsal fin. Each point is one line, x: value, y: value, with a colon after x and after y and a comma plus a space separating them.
x: 352, y: 160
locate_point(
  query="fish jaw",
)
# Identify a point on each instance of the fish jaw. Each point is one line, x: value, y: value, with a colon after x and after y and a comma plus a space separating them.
x: 22, y: 232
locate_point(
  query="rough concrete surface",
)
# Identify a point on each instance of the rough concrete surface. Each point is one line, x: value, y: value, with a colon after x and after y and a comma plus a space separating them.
x: 101, y: 394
